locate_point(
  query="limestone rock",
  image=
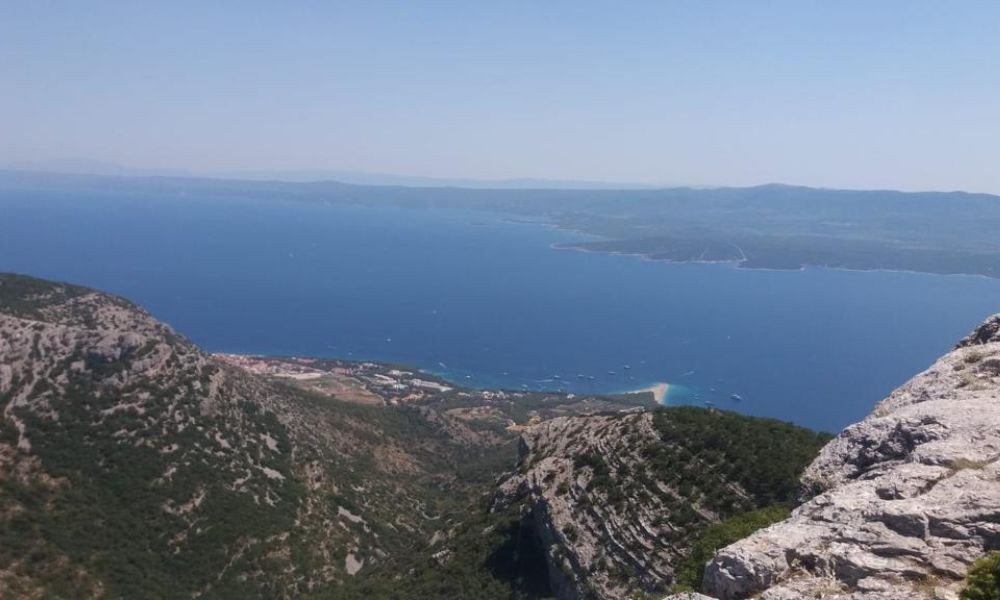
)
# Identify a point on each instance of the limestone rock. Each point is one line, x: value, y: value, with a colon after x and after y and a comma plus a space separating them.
x: 901, y: 503
x: 616, y: 501
x: 585, y: 536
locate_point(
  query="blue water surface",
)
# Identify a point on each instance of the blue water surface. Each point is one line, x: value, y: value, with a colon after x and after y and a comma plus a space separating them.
x: 489, y: 302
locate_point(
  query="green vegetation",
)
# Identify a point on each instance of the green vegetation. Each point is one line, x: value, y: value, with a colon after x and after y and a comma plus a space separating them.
x: 719, y: 535
x: 765, y: 456
x: 601, y: 479
x: 541, y: 404
x: 704, y: 452
x: 25, y: 297
x: 491, y: 556
x: 108, y: 518
x: 108, y: 521
x: 142, y: 483
x: 983, y: 579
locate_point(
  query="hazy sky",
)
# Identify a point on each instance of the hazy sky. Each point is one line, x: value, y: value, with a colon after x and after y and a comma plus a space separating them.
x: 901, y: 94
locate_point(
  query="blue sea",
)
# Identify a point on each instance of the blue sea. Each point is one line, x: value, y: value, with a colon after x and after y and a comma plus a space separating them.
x: 489, y: 302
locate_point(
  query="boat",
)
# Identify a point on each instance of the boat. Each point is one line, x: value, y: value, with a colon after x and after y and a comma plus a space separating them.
x: 627, y: 367
x: 611, y: 372
x: 736, y: 398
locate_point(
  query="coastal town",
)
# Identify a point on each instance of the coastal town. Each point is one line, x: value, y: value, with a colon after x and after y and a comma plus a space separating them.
x: 365, y: 382
x: 373, y: 383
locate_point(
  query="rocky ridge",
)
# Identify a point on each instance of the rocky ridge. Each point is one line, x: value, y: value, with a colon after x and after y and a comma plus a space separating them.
x: 589, y: 542
x: 616, y: 501
x: 899, y: 505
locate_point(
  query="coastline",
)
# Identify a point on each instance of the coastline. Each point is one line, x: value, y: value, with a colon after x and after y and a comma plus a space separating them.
x: 739, y: 264
x: 660, y: 392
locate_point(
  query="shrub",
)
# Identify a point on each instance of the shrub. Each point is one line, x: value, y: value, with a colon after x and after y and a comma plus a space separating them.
x: 569, y: 530
x: 983, y: 580
x: 973, y: 356
x: 764, y: 456
x: 690, y: 571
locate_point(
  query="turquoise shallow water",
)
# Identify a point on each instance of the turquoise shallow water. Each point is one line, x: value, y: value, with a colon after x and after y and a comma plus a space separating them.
x: 489, y: 302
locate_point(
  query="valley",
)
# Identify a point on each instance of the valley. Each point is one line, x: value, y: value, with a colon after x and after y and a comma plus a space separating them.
x: 135, y: 464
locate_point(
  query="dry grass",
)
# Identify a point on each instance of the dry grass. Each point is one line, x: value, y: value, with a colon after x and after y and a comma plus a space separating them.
x: 965, y: 463
x: 969, y: 380
x: 973, y: 356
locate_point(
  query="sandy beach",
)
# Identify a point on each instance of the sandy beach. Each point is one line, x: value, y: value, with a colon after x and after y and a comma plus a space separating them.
x: 658, y: 390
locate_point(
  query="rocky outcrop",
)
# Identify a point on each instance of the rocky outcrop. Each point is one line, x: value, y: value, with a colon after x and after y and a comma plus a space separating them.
x: 987, y: 333
x: 899, y: 505
x: 616, y: 501
x: 594, y: 547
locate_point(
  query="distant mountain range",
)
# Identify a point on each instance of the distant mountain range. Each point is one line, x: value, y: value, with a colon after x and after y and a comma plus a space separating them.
x: 764, y: 227
x: 96, y: 167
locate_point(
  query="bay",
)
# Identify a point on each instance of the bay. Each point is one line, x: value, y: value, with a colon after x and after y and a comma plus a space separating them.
x: 489, y: 302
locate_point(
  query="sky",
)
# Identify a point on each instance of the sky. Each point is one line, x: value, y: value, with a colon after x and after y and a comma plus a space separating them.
x: 901, y: 94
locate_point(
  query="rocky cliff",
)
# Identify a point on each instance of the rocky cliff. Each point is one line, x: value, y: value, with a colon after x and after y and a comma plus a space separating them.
x: 898, y: 504
x: 617, y: 501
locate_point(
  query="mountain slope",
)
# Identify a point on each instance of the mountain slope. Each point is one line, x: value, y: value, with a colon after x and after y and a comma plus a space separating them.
x: 134, y: 465
x: 767, y: 226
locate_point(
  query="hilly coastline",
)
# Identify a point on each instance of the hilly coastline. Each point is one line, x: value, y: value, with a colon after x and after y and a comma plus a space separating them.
x: 762, y: 227
x: 480, y: 297
x: 481, y: 301
x: 136, y: 465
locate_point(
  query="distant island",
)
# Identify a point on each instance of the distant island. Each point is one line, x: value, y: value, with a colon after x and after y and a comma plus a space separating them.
x: 790, y: 228
x: 763, y: 227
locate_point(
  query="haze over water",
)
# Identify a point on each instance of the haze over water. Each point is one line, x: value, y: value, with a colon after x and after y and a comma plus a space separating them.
x: 489, y: 302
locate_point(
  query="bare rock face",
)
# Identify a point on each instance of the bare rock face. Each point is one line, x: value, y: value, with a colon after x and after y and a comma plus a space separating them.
x: 616, y: 501
x: 587, y: 537
x: 901, y: 503
x: 986, y: 333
